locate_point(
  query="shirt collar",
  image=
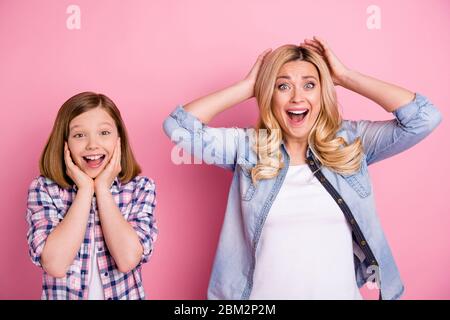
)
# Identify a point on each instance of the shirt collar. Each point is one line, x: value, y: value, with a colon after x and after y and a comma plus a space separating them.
x: 309, y: 152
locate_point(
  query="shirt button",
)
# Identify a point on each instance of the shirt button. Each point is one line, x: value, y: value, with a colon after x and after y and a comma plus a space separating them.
x: 106, y: 274
x: 322, y: 179
x: 363, y: 243
x: 100, y: 249
x: 352, y: 221
x: 311, y: 162
x: 340, y: 201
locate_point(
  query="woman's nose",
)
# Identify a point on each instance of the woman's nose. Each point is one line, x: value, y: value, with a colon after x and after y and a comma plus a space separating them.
x: 297, y: 96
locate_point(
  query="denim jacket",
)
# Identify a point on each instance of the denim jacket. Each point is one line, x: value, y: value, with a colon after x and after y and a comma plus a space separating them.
x: 248, y: 204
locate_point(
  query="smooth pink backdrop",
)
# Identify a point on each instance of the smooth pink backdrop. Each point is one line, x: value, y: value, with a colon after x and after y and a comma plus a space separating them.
x: 148, y: 56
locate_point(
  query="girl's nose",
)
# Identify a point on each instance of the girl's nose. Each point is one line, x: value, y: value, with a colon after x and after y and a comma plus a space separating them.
x: 91, y: 145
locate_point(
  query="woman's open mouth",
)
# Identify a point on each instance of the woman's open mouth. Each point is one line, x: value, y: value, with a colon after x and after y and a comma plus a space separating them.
x: 297, y: 117
x: 94, y: 161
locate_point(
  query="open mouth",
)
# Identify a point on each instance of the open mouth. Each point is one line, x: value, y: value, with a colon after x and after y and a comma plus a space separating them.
x: 297, y: 116
x: 94, y: 161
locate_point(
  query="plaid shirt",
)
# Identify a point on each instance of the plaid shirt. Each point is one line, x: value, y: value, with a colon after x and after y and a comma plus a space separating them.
x: 47, y: 205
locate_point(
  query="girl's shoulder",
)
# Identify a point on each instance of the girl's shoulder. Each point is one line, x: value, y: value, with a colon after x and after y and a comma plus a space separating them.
x: 43, y: 189
x: 43, y: 183
x: 140, y: 182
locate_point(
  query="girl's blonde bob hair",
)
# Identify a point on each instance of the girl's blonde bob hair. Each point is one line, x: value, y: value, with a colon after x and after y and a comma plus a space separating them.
x: 52, y: 164
x: 332, y: 152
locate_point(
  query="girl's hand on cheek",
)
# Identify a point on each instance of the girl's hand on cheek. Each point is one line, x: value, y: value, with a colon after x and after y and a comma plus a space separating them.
x: 105, y: 179
x: 81, y: 179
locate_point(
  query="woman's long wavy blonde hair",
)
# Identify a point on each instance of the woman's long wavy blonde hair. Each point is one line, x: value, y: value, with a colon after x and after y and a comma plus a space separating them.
x: 332, y: 152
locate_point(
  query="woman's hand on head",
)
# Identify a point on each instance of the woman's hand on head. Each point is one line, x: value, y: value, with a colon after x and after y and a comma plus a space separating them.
x: 250, y: 79
x: 337, y: 69
x: 81, y: 179
x: 105, y: 178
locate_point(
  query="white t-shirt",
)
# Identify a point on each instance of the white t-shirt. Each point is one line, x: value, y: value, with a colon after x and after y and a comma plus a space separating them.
x: 95, y: 290
x: 306, y: 248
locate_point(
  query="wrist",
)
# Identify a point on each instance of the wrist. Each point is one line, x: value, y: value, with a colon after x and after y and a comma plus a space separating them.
x: 346, y: 78
x: 101, y: 188
x: 86, y: 190
x: 248, y: 87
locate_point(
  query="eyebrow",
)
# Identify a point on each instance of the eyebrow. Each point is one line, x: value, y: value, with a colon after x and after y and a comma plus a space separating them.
x: 303, y: 77
x: 76, y: 126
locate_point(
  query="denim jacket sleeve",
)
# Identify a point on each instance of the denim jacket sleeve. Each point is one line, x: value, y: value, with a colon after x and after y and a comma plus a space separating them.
x: 383, y: 139
x: 217, y: 146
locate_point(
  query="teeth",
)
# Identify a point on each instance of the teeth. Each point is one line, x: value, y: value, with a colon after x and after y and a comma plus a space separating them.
x: 297, y: 111
x: 94, y: 157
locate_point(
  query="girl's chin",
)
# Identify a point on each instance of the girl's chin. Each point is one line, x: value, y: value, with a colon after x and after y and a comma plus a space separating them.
x: 93, y: 176
x: 92, y: 172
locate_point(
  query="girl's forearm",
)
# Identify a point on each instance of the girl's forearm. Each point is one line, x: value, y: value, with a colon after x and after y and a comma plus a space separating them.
x: 207, y: 107
x: 120, y: 237
x: 65, y: 240
x: 388, y: 96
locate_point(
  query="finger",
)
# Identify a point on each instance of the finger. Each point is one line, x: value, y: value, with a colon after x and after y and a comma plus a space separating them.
x: 255, y: 69
x: 314, y: 44
x: 120, y: 150
x: 322, y: 42
x: 313, y: 48
x: 65, y: 154
x: 261, y: 59
x: 265, y: 52
x: 119, y: 153
x: 314, y: 40
x: 67, y: 157
x: 113, y: 160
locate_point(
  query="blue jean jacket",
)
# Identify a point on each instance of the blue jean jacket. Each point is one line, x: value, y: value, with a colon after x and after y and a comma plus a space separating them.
x: 249, y: 204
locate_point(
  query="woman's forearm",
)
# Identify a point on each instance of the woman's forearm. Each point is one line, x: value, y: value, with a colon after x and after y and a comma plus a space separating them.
x: 120, y: 237
x: 207, y: 107
x: 388, y: 96
x: 65, y: 240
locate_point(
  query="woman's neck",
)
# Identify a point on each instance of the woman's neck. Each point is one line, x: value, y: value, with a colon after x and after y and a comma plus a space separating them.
x: 297, y: 151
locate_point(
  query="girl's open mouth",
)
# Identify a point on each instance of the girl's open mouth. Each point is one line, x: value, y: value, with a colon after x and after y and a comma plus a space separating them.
x: 297, y: 117
x: 94, y: 161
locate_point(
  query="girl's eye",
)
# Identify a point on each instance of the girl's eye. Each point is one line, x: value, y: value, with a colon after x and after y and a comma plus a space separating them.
x: 78, y: 135
x: 105, y: 133
x: 310, y: 85
x: 283, y: 87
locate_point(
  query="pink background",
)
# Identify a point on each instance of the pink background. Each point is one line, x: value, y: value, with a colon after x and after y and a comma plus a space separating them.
x: 148, y: 56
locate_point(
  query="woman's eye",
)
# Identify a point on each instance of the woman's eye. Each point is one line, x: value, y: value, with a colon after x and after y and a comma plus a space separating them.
x: 105, y: 133
x: 283, y: 86
x: 310, y: 85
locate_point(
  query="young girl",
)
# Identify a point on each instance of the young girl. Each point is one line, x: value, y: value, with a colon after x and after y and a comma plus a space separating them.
x: 301, y: 221
x: 90, y: 214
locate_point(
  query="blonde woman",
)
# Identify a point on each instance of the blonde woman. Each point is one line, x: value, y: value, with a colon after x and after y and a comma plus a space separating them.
x: 301, y: 221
